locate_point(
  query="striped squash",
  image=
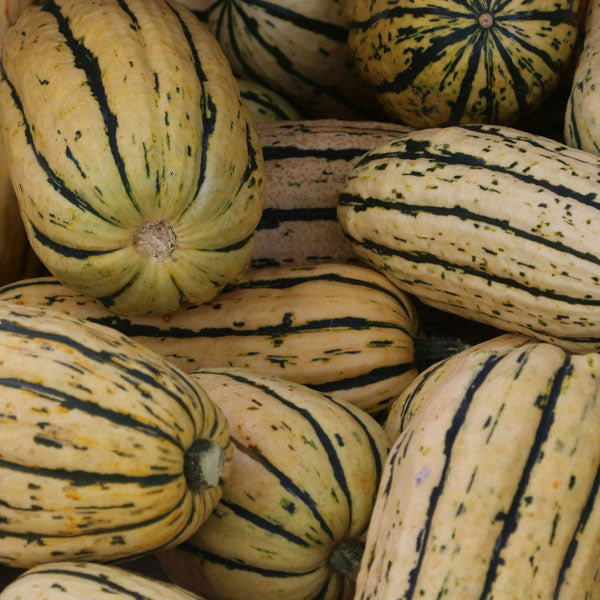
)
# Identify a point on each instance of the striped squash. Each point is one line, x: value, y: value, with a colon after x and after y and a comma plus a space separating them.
x: 16, y: 256
x: 305, y: 166
x: 89, y: 581
x: 265, y: 105
x: 106, y: 451
x: 581, y: 127
x: 295, y: 47
x: 342, y: 329
x: 416, y: 394
x: 305, y: 471
x: 485, y: 222
x: 137, y: 170
x: 447, y: 62
x: 491, y: 489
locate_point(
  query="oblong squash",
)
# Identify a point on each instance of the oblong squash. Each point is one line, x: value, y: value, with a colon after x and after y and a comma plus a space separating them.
x: 137, y: 169
x: 491, y: 490
x: 446, y: 62
x: 485, y: 222
x: 340, y: 329
x: 89, y: 581
x: 305, y: 471
x: 305, y: 166
x: 106, y: 450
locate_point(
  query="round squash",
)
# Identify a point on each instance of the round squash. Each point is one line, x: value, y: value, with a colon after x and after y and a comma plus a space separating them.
x: 89, y: 581
x: 137, y: 169
x: 296, y: 47
x: 305, y: 470
x: 445, y: 62
x: 106, y: 450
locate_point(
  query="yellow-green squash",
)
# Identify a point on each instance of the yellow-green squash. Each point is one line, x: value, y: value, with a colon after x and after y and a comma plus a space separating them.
x: 446, y: 62
x: 491, y: 490
x: 89, y: 581
x: 137, y: 169
x: 305, y: 471
x: 106, y: 450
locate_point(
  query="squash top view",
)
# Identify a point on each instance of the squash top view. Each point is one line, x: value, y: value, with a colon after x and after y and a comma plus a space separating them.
x: 137, y: 169
x: 445, y: 62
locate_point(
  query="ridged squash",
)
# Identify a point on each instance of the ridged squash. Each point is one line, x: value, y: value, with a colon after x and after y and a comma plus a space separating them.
x: 106, y: 450
x: 17, y: 259
x: 89, y: 581
x: 416, y: 394
x: 137, y: 169
x: 446, y: 62
x: 491, y: 490
x: 485, y: 222
x: 265, y: 105
x: 296, y: 47
x: 305, y: 471
x: 305, y: 166
x: 341, y: 329
x: 582, y: 129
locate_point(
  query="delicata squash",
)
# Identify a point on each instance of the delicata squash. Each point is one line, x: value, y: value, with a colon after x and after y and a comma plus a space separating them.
x: 106, y: 450
x: 136, y: 167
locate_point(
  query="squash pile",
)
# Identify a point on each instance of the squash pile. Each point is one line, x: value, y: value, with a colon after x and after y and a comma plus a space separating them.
x: 299, y: 299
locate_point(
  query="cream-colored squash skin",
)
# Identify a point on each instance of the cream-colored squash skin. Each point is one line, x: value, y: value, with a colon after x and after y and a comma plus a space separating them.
x: 409, y: 402
x: 490, y: 491
x: 305, y: 166
x: 338, y: 328
x: 485, y: 222
x: 137, y: 168
x: 305, y: 471
x: 265, y: 105
x: 89, y: 581
x: 96, y: 437
x: 582, y: 128
x: 296, y: 47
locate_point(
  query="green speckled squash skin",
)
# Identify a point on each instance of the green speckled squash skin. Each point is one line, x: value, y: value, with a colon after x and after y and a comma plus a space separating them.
x: 89, y: 581
x: 485, y: 222
x: 445, y: 62
x: 107, y: 451
x: 491, y: 490
x: 136, y: 167
x: 296, y: 47
x: 305, y: 470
